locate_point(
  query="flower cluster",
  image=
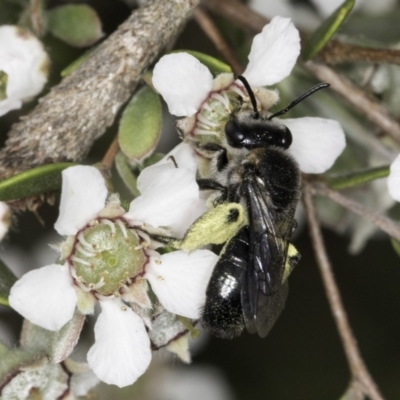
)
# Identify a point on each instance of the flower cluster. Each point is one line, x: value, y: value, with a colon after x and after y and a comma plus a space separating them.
x: 110, y: 257
x: 208, y: 103
x: 24, y: 67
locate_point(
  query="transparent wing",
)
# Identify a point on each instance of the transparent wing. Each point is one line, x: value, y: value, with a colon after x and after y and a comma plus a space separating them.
x: 263, y: 293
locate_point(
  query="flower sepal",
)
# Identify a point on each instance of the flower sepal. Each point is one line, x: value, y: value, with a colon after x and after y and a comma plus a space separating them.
x: 56, y: 345
x: 170, y: 332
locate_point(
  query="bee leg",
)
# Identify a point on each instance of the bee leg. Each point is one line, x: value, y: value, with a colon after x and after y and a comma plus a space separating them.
x: 222, y: 158
x: 292, y: 258
x: 209, y: 184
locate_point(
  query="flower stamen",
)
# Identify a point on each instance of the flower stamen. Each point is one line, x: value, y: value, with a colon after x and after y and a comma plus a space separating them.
x: 80, y: 248
x: 110, y: 224
x: 80, y: 261
x: 123, y: 228
x: 81, y: 238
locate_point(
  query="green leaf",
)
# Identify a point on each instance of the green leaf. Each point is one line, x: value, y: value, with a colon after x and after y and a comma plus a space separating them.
x: 215, y: 66
x: 33, y: 182
x: 326, y: 30
x: 78, y: 25
x: 126, y: 174
x: 3, y: 85
x: 75, y: 64
x: 357, y: 178
x: 396, y: 246
x: 7, y: 279
x: 153, y: 159
x: 140, y: 125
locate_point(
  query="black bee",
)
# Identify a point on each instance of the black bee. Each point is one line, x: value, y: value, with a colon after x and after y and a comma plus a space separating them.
x: 248, y: 287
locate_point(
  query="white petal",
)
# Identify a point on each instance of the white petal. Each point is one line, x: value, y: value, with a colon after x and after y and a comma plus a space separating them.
x: 81, y: 383
x: 273, y: 53
x: 121, y: 352
x: 23, y: 58
x: 83, y: 195
x: 184, y: 156
x: 317, y: 142
x: 8, y: 104
x: 181, y: 279
x: 5, y: 219
x: 45, y: 296
x: 167, y: 199
x: 183, y: 81
x: 394, y: 179
x: 189, y: 215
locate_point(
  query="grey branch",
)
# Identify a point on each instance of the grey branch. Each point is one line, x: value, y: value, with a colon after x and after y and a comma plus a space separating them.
x: 358, y: 98
x: 362, y: 382
x: 382, y: 222
x: 66, y: 121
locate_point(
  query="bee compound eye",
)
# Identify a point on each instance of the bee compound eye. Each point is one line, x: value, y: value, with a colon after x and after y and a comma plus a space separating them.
x: 287, y: 138
x: 233, y: 132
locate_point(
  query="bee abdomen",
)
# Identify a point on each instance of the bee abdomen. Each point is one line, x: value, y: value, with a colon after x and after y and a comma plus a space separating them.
x: 222, y: 314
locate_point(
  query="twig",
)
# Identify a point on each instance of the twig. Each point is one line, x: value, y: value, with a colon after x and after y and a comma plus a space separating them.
x: 112, y: 151
x: 336, y: 52
x: 361, y: 101
x: 37, y: 17
x: 66, y: 121
x: 361, y: 379
x: 211, y: 30
x: 382, y: 222
x: 238, y: 13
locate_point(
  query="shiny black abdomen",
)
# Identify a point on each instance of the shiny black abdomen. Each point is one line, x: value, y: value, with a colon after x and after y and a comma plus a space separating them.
x: 222, y: 314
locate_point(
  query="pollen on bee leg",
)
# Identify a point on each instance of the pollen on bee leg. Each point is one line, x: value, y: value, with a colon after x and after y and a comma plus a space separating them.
x: 110, y: 224
x: 123, y: 228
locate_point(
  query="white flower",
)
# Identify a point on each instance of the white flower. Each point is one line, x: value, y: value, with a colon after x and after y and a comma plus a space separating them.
x: 393, y: 181
x: 24, y: 60
x: 317, y: 142
x: 48, y: 296
x: 5, y: 219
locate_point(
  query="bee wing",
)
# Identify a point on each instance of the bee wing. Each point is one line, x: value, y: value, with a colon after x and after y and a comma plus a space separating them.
x: 263, y: 292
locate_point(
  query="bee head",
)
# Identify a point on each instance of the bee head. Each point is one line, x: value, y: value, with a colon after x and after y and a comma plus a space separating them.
x: 252, y: 131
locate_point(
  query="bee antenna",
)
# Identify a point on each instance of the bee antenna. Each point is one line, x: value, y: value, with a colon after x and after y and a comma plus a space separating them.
x: 299, y: 99
x: 251, y: 95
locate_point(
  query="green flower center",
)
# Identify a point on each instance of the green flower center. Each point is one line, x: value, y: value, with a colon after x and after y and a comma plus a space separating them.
x: 214, y: 113
x: 107, y: 255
